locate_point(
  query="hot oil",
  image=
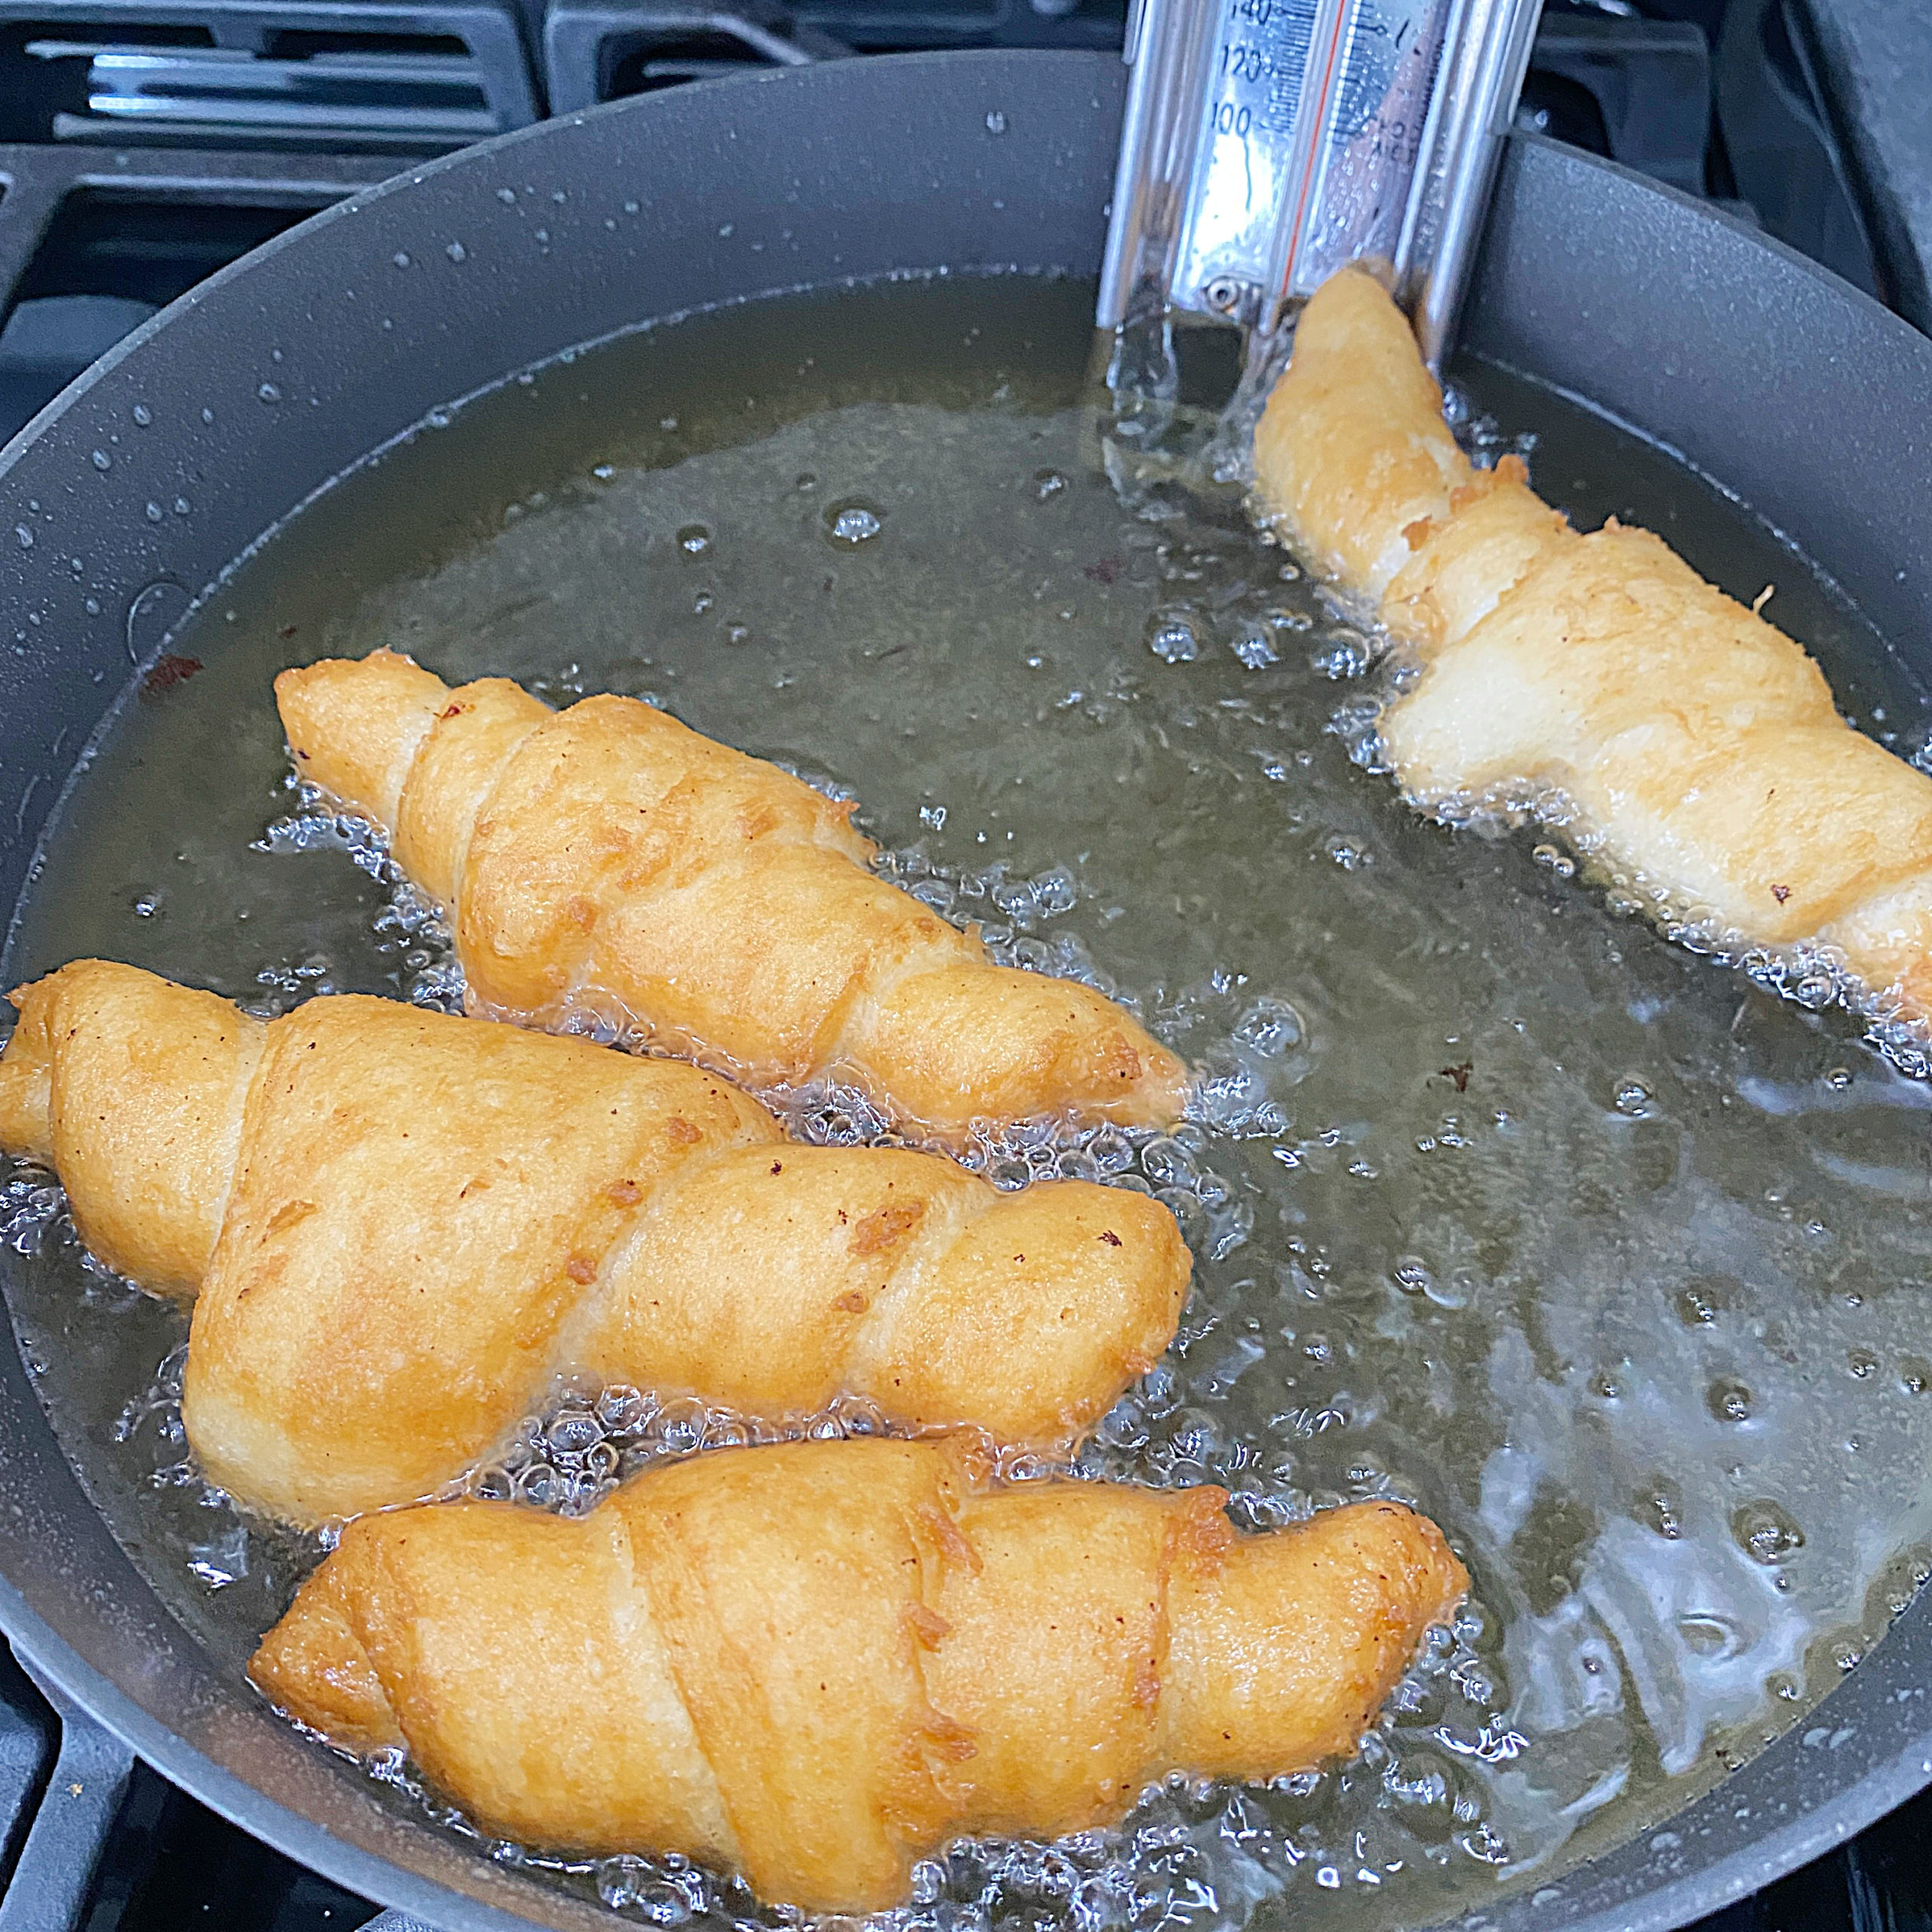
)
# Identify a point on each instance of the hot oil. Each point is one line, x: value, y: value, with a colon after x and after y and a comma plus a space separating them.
x: 1608, y: 1259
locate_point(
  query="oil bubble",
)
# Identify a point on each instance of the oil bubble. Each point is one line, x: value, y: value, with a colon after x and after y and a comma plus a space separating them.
x: 1343, y: 654
x: 1662, y: 1508
x: 1633, y: 1097
x: 1697, y: 1306
x: 1413, y: 1275
x: 853, y: 522
x: 1270, y: 1027
x: 1175, y: 635
x: 1728, y: 1400
x: 1709, y: 1635
x: 1766, y: 1532
x: 1253, y: 648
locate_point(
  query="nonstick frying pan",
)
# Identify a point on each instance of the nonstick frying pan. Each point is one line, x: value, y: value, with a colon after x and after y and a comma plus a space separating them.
x: 220, y: 416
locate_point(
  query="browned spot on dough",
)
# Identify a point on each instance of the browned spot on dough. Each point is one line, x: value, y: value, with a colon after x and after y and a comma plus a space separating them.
x: 680, y: 1132
x: 1146, y: 1683
x: 928, y: 1626
x: 1416, y: 534
x: 1513, y: 469
x: 626, y: 1193
x: 1111, y: 1239
x: 778, y: 1167
x: 886, y: 1226
x: 1780, y: 893
x: 288, y: 1213
x: 581, y: 912
x: 949, y: 1538
x: 1201, y: 1532
x: 452, y: 711
x: 581, y: 1269
x: 853, y: 1302
x: 948, y: 1738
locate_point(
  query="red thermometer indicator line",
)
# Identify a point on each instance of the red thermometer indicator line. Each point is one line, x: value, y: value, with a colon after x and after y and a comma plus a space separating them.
x: 1321, y: 106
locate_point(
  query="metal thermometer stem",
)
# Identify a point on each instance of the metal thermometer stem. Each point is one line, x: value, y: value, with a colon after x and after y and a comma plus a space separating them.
x: 1267, y: 142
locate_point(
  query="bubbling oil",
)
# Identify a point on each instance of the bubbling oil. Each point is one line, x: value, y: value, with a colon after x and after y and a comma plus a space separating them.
x: 1610, y: 1259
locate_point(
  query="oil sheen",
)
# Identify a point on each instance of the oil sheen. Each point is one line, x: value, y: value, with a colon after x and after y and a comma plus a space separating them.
x: 1609, y: 1260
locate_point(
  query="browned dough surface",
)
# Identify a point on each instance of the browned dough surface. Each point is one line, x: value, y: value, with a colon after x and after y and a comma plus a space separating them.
x: 399, y: 1226
x: 818, y: 1662
x: 1698, y: 747
x: 606, y: 858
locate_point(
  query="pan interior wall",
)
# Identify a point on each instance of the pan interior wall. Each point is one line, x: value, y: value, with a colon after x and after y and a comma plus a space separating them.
x: 1608, y: 1260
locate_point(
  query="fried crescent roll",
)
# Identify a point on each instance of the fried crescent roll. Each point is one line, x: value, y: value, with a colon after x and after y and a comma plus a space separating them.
x: 818, y: 1662
x: 1697, y: 749
x: 607, y: 859
x: 400, y: 1225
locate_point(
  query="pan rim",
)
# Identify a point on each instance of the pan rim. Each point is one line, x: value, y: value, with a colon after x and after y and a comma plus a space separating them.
x: 1669, y: 1901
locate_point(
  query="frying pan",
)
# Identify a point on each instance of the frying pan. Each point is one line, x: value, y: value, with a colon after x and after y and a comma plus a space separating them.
x: 223, y: 414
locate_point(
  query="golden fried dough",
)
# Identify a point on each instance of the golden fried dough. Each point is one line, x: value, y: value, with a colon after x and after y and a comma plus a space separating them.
x: 1686, y: 742
x: 401, y: 1225
x: 607, y: 859
x: 818, y: 1662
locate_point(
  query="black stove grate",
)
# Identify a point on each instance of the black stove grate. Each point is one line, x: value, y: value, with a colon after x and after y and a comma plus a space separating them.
x: 1802, y: 115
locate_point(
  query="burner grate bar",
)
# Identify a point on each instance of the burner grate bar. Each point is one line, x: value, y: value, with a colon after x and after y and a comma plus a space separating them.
x: 78, y: 1810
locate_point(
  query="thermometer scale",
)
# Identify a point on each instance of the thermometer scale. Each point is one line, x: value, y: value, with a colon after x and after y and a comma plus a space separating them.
x: 1268, y: 142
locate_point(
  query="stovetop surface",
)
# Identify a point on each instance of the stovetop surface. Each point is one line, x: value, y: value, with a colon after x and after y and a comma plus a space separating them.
x: 249, y: 115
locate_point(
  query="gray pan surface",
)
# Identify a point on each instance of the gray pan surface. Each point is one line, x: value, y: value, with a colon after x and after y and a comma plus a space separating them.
x: 1807, y: 400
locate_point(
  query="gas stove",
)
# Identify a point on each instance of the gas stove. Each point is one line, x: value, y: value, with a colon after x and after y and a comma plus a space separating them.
x: 145, y: 143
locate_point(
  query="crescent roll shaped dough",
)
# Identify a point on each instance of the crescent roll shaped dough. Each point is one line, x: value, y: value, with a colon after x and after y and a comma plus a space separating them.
x: 817, y: 1662
x: 607, y: 859
x: 400, y: 1225
x: 1697, y: 748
